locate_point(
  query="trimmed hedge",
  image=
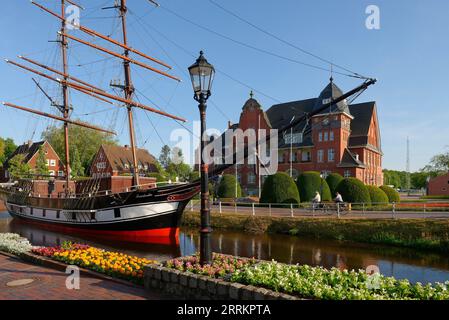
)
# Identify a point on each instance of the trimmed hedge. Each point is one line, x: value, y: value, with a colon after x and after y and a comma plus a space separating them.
x: 226, y: 189
x: 393, y: 195
x: 354, y: 191
x: 332, y: 181
x: 279, y: 188
x: 377, y: 195
x: 309, y: 183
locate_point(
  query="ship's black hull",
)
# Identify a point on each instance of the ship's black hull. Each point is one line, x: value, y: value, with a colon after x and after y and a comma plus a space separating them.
x: 138, y: 216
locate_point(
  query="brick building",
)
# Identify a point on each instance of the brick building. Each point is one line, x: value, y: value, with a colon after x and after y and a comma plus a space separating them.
x: 30, y: 152
x: 345, y: 139
x: 113, y: 161
x: 438, y: 186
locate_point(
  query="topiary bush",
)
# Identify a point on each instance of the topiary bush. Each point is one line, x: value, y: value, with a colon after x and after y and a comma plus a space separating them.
x: 309, y: 183
x: 393, y: 195
x: 226, y: 188
x: 332, y: 181
x: 377, y: 195
x: 354, y: 191
x: 279, y: 188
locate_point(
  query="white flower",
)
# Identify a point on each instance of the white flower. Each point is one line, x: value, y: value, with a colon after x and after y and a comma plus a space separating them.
x: 14, y: 243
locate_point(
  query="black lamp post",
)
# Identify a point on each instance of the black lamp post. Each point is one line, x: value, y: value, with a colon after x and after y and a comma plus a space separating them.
x: 202, y: 75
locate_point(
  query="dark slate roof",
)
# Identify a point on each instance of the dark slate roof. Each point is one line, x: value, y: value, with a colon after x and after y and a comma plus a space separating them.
x: 362, y: 112
x: 119, y: 156
x: 28, y: 150
x: 332, y: 91
x: 282, y: 114
x: 349, y: 161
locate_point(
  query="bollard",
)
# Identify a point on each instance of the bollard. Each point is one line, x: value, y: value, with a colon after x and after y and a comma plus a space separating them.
x: 338, y: 210
x: 393, y: 210
x: 219, y: 206
x: 291, y: 210
x: 254, y: 212
x: 270, y: 208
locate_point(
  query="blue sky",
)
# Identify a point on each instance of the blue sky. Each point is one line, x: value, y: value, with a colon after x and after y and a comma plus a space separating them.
x: 409, y: 56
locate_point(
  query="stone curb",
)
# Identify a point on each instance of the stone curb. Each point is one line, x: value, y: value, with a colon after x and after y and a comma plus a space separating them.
x: 188, y: 285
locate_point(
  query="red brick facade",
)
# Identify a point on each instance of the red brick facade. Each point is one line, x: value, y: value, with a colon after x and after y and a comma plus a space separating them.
x: 31, y: 153
x: 345, y: 140
x: 438, y: 186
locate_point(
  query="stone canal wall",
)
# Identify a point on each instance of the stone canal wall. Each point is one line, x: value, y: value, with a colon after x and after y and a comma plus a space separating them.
x: 184, y: 285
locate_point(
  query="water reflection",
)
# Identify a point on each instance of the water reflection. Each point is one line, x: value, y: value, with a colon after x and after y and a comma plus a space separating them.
x: 397, y: 262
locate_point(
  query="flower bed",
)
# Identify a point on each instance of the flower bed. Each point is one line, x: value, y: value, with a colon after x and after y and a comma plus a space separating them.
x: 222, y: 265
x: 14, y: 243
x: 114, y: 264
x: 319, y: 283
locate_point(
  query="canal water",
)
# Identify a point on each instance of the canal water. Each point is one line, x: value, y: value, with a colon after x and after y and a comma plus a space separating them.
x: 417, y: 266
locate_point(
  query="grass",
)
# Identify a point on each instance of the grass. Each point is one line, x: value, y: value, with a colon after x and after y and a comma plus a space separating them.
x: 422, y: 234
x: 436, y: 197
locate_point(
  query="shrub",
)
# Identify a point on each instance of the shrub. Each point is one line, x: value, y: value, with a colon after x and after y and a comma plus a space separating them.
x: 393, y: 195
x: 377, y: 195
x: 226, y: 189
x: 159, y: 177
x: 279, y: 188
x: 309, y: 183
x: 354, y: 191
x: 332, y: 181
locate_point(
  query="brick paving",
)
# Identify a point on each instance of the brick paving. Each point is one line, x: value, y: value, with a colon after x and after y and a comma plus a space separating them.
x: 49, y: 284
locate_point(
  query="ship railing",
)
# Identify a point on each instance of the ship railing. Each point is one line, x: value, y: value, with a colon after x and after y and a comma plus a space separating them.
x: 88, y: 194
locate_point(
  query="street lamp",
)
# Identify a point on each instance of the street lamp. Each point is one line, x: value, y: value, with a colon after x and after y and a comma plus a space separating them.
x: 202, y: 75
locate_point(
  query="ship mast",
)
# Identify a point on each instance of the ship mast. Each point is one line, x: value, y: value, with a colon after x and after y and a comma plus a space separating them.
x: 129, y: 91
x: 65, y: 94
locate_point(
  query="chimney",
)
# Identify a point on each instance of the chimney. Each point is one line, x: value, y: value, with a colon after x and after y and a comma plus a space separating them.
x: 229, y: 124
x: 29, y: 143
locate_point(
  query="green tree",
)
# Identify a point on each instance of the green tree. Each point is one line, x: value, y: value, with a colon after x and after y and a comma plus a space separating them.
x: 419, y: 180
x: 41, y: 162
x: 164, y: 157
x: 7, y: 147
x: 309, y: 183
x: 279, y: 188
x: 84, y: 145
x: 18, y: 169
x: 227, y: 187
x: 354, y: 191
x: 181, y: 171
x: 439, y: 164
x: 332, y: 181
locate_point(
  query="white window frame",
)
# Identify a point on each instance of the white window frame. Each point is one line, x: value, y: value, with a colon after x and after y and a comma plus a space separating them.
x: 320, y: 156
x: 320, y: 137
x: 52, y: 163
x: 326, y: 136
x: 331, y: 136
x: 331, y: 155
x: 347, y: 174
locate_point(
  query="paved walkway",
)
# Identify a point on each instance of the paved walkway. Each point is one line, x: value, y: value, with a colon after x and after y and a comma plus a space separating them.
x: 281, y: 212
x: 49, y: 284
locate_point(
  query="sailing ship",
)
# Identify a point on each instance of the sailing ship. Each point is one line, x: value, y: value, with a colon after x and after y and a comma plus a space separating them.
x: 140, y: 212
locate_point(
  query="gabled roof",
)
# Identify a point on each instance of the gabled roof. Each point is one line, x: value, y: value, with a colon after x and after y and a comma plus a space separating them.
x: 350, y: 161
x: 28, y: 150
x: 363, y: 113
x: 119, y: 156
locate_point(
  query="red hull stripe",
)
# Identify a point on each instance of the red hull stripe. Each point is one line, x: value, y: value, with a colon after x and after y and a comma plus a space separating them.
x: 166, y: 236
